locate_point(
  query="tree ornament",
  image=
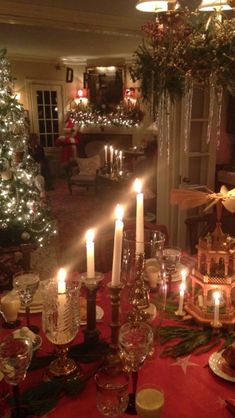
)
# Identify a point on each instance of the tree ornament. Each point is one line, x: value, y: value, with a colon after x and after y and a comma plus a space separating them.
x: 40, y: 183
x: 25, y: 236
x: 6, y: 175
x: 189, y: 4
x: 5, y: 171
x: 18, y: 156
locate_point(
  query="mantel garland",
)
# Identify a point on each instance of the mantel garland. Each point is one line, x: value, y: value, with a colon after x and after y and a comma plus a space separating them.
x: 126, y: 115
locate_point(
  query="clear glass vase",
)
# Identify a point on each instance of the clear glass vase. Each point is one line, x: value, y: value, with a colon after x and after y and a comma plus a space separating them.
x: 60, y: 321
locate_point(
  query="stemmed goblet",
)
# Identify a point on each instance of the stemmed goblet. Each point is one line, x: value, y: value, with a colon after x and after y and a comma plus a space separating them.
x: 60, y: 322
x: 135, y: 342
x: 15, y: 357
x: 26, y: 284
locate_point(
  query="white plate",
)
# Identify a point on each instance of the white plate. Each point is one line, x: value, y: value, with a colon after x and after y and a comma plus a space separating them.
x: 219, y: 366
x: 99, y: 315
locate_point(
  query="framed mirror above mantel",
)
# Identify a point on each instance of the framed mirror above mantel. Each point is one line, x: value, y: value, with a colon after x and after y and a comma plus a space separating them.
x: 105, y: 85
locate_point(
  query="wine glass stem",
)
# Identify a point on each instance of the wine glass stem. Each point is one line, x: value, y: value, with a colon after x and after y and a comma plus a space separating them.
x: 134, y: 382
x: 27, y: 311
x: 16, y: 397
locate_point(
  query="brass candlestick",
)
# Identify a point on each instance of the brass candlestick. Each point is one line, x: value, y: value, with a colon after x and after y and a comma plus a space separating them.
x: 115, y: 292
x: 91, y: 333
x: 63, y: 365
x: 92, y: 343
x: 139, y: 293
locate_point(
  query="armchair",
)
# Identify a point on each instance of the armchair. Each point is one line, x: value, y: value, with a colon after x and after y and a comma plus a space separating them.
x: 81, y: 172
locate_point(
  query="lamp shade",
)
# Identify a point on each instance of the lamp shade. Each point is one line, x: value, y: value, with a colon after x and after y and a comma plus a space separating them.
x: 210, y: 5
x: 152, y: 6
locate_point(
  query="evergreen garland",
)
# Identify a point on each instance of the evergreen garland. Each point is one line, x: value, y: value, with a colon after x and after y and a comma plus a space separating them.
x: 182, y: 46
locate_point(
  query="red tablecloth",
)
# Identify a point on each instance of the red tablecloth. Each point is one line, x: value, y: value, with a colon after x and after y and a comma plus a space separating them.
x: 191, y: 389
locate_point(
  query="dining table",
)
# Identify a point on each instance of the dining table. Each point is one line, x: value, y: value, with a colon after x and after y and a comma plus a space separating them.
x: 191, y: 388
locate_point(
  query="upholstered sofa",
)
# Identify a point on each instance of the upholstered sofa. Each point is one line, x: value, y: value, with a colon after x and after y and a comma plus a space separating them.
x: 82, y: 172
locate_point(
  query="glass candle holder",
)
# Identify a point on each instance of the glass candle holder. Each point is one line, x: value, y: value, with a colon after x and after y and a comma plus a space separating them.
x: 60, y: 321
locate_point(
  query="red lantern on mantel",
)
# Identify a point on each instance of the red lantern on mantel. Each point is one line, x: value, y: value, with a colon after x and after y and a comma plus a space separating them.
x: 82, y: 93
x: 129, y: 92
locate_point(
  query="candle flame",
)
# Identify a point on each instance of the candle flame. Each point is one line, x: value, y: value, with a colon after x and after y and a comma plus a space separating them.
x: 106, y: 146
x: 61, y: 274
x: 119, y: 212
x: 216, y: 296
x: 90, y: 235
x: 137, y: 185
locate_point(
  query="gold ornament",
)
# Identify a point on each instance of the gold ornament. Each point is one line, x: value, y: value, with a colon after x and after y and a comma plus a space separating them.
x: 6, y: 175
x: 25, y: 236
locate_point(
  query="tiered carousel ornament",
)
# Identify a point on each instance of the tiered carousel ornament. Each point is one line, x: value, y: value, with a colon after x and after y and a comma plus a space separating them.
x: 213, y: 278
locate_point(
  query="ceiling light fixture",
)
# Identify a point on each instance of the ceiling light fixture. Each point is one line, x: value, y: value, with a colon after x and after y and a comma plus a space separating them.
x: 211, y: 5
x: 152, y: 6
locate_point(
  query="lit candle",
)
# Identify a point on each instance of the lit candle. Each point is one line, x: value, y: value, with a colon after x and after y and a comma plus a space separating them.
x: 181, y: 300
x: 90, y: 254
x: 120, y: 160
x: 106, y: 154
x: 111, y: 154
x: 139, y: 217
x: 61, y: 301
x: 117, y: 249
x: 216, y: 296
x: 184, y: 275
x: 61, y: 281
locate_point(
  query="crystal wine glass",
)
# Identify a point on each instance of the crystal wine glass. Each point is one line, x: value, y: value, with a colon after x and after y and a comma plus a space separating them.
x: 15, y: 357
x: 26, y: 284
x: 171, y: 257
x: 111, y: 391
x: 135, y: 342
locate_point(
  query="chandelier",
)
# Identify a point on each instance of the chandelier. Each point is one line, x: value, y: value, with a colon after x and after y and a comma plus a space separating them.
x: 154, y: 6
x: 215, y: 5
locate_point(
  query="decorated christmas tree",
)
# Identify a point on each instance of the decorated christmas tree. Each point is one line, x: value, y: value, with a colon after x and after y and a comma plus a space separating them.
x: 24, y: 215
